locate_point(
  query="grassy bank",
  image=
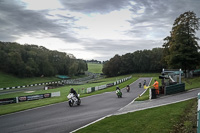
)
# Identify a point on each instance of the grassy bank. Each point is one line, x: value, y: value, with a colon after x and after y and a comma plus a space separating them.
x: 95, y: 68
x: 156, y: 120
x: 192, y: 83
x: 8, y: 80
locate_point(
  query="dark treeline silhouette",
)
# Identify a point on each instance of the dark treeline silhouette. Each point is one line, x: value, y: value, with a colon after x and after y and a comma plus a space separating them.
x: 93, y: 61
x: 32, y: 60
x: 137, y: 62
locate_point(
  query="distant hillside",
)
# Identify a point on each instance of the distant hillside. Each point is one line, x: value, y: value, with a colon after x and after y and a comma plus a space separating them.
x: 95, y: 68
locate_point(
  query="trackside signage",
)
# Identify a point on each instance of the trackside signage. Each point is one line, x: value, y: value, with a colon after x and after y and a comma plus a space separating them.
x: 33, y: 97
x: 7, y: 101
x: 28, y: 98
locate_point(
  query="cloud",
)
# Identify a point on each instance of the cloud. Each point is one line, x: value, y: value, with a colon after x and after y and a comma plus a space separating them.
x: 92, y: 29
x: 94, y: 6
x: 106, y: 49
x: 16, y: 21
x: 154, y: 18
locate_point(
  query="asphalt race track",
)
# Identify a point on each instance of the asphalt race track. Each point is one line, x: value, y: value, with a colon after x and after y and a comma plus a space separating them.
x: 60, y: 118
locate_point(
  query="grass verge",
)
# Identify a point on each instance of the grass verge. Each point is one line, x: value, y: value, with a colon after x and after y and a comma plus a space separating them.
x: 155, y: 120
x: 95, y: 68
x: 8, y: 80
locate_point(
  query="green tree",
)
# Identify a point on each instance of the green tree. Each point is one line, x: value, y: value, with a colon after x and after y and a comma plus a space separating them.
x: 181, y: 47
x: 127, y: 64
x: 113, y: 66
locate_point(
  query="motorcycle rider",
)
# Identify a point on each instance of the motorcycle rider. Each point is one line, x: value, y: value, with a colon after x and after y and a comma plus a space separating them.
x: 144, y: 83
x: 117, y: 88
x: 128, y: 87
x: 74, y: 92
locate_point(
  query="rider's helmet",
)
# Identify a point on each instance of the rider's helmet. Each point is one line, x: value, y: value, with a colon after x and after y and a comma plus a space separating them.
x: 71, y: 89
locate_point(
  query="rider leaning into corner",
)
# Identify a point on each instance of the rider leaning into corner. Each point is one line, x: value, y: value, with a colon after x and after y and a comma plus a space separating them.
x: 74, y: 92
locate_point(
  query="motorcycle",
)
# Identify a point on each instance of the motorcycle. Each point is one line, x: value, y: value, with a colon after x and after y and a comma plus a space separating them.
x: 119, y: 93
x: 128, y: 89
x: 73, y: 99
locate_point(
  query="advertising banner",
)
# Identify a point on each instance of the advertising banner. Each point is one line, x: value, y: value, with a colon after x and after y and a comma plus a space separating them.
x: 55, y: 94
x: 96, y: 88
x: 110, y: 84
x: 7, y: 101
x: 88, y: 90
x: 102, y: 87
x: 47, y: 95
x: 22, y: 99
x: 34, y: 97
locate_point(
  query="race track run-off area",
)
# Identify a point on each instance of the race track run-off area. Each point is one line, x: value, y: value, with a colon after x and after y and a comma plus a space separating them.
x: 60, y: 118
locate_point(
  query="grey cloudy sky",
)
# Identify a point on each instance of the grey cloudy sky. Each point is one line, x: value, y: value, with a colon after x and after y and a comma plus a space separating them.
x: 91, y: 29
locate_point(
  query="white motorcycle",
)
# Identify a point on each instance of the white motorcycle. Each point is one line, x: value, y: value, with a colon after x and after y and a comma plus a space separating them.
x: 73, y: 99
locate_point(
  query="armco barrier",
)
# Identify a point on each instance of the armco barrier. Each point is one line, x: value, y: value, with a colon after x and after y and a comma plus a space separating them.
x: 176, y: 88
x: 198, y: 114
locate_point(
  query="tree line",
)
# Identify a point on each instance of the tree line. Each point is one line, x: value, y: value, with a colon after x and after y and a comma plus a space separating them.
x: 180, y: 50
x: 32, y: 60
x: 137, y: 62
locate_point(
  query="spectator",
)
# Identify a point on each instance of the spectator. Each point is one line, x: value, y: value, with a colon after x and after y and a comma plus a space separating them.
x: 156, y: 86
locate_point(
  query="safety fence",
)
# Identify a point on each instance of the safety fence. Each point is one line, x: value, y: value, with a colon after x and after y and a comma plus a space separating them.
x: 28, y: 98
x: 96, y: 88
x: 176, y: 88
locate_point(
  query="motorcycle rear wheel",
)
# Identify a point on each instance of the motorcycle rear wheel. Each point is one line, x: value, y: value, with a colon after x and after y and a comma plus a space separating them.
x: 79, y: 102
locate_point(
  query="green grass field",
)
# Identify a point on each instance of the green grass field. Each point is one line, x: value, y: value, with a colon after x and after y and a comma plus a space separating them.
x: 162, y: 119
x: 95, y: 68
x: 8, y: 80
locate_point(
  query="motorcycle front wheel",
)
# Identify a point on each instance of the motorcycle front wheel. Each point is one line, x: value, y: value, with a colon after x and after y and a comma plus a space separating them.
x: 70, y: 103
